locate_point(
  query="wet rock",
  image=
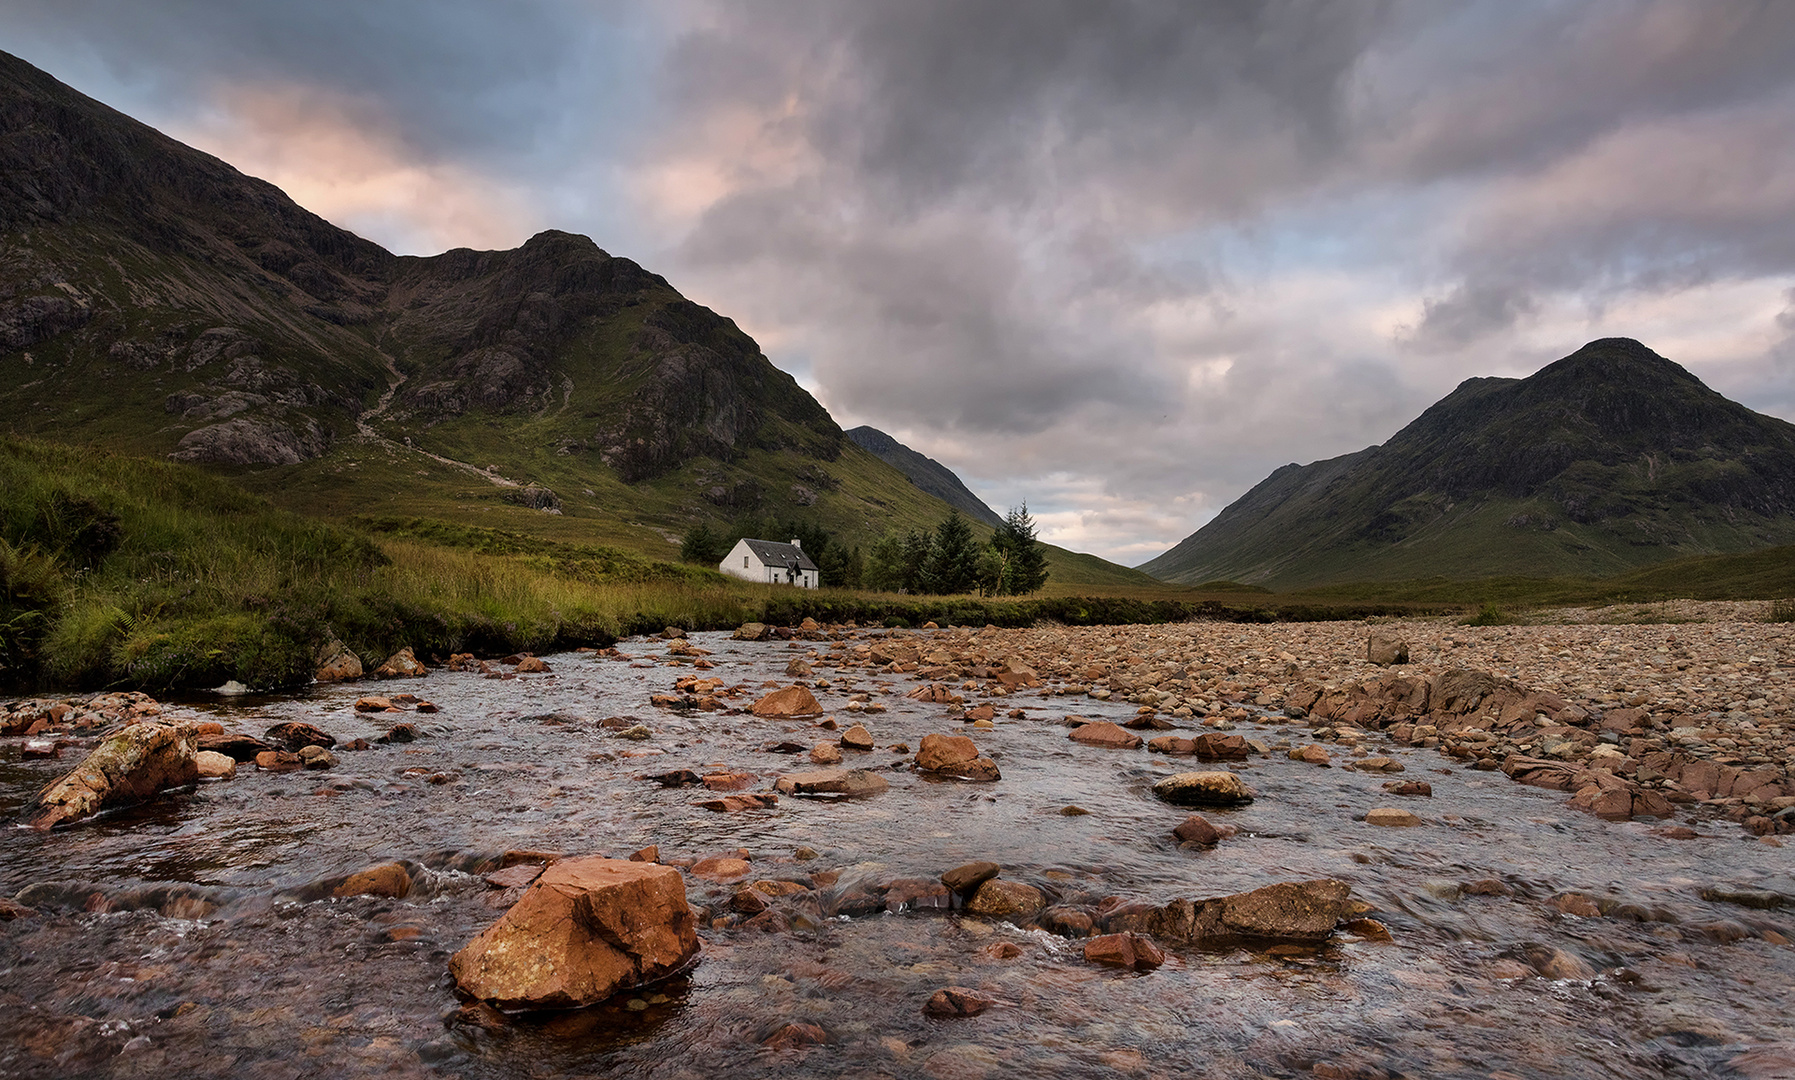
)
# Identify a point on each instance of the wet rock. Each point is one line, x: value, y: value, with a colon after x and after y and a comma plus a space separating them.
x: 337, y: 664
x: 735, y: 804
x: 1105, y: 734
x: 1003, y: 950
x: 1420, y: 788
x: 40, y: 749
x: 1368, y: 929
x: 919, y: 894
x: 857, y: 738
x: 844, y: 783
x: 793, y: 702
x: 1172, y: 744
x: 374, y: 703
x: 1067, y: 921
x: 955, y: 1002
x: 11, y: 909
x: 1293, y: 911
x: 1384, y: 647
x: 1219, y: 789
x: 584, y: 930
x: 1488, y: 887
x: 955, y: 755
x: 126, y: 768
x: 401, y: 665
x: 799, y: 668
x: 390, y: 880
x: 1196, y: 829
x: 967, y: 878
x: 279, y: 761
x: 1762, y: 899
x: 1125, y: 950
x: 1215, y: 746
x: 297, y: 734
x: 677, y: 778
x: 1313, y: 754
x: 753, y: 632
x: 212, y: 765
x: 512, y: 877
x: 826, y: 753
x: 635, y: 733
x: 722, y: 781
x: 1006, y: 899
x: 316, y: 757
x: 236, y: 746
x: 1556, y: 963
x: 795, y: 1036
x: 1391, y: 817
x: 399, y: 733
x: 533, y: 665
x: 721, y: 869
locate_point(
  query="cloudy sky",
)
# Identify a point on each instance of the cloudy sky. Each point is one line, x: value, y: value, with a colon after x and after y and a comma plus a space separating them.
x: 1117, y: 258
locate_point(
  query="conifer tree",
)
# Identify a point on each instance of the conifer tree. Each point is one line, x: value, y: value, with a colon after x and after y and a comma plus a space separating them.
x: 1022, y: 557
x: 953, y: 564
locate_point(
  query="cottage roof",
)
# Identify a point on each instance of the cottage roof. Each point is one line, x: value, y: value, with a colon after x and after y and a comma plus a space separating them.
x: 784, y: 556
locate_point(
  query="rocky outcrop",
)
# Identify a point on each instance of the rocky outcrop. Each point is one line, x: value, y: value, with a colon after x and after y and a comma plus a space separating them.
x: 125, y: 769
x: 248, y: 440
x: 584, y: 930
x: 1296, y: 911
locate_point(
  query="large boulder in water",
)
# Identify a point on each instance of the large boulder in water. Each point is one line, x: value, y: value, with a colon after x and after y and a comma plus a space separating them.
x: 126, y: 768
x: 793, y: 702
x: 586, y: 929
x: 1203, y: 789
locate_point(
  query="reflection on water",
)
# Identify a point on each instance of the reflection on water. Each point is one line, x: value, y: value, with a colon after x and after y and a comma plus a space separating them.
x: 196, y: 935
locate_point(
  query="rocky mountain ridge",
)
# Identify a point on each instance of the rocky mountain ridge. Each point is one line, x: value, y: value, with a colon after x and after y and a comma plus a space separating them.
x: 926, y: 473
x: 1608, y: 459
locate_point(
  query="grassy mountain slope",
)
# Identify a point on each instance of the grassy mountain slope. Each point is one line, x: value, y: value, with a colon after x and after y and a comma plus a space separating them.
x: 154, y: 300
x: 1610, y: 459
x: 926, y: 473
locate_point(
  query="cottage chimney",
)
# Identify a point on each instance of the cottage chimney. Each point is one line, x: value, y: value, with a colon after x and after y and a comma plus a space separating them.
x: 796, y: 544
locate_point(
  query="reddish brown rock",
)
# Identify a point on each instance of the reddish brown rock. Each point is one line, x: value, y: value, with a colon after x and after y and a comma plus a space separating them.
x: 337, y: 664
x: 389, y: 880
x: 721, y: 869
x: 825, y: 753
x: 1006, y: 899
x: 1391, y: 817
x: 1172, y: 744
x: 373, y: 703
x: 1105, y: 734
x: 1125, y: 950
x: 1196, y: 829
x: 795, y: 1036
x: 954, y: 1002
x: 789, y: 703
x: 586, y: 929
x: 1419, y: 788
x: 735, y: 804
x: 842, y: 783
x: 1215, y: 746
x: 1313, y: 754
x: 967, y: 878
x: 943, y: 753
x: 297, y: 735
x: 513, y: 876
x: 857, y: 738
x: 1204, y: 789
x: 126, y: 768
x: 401, y: 665
x: 533, y: 665
x: 214, y: 766
x: 279, y: 761
x: 723, y: 781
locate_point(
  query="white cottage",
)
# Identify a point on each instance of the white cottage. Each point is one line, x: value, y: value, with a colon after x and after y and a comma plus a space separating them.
x: 771, y: 561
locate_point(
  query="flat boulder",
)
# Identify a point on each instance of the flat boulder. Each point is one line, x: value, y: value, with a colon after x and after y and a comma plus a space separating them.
x: 234, y: 745
x: 793, y: 702
x: 124, y: 769
x: 957, y: 756
x: 1204, y: 789
x: 1006, y: 899
x: 841, y: 783
x: 1289, y: 910
x: 584, y: 930
x: 1103, y: 733
x: 297, y: 735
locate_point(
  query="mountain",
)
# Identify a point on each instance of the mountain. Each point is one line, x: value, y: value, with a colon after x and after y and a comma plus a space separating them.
x: 1609, y: 459
x: 156, y: 301
x: 926, y: 473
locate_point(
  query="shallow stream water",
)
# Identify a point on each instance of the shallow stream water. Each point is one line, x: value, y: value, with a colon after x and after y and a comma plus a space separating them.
x: 196, y: 937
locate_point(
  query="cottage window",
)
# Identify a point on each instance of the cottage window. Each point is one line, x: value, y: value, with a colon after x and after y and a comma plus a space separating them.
x: 744, y: 562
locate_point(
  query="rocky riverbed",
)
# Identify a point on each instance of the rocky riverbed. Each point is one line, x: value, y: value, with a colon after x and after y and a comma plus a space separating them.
x: 1547, y: 850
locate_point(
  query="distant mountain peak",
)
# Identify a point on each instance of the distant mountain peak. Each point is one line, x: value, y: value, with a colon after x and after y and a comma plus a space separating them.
x: 925, y: 472
x: 1610, y: 458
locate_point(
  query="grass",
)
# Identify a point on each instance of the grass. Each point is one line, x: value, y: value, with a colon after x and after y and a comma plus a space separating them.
x: 123, y: 571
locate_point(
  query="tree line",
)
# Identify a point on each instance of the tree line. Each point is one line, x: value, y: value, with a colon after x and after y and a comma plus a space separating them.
x: 945, y: 560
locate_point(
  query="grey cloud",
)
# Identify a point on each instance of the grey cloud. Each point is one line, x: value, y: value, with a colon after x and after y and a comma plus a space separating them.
x: 1470, y: 313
